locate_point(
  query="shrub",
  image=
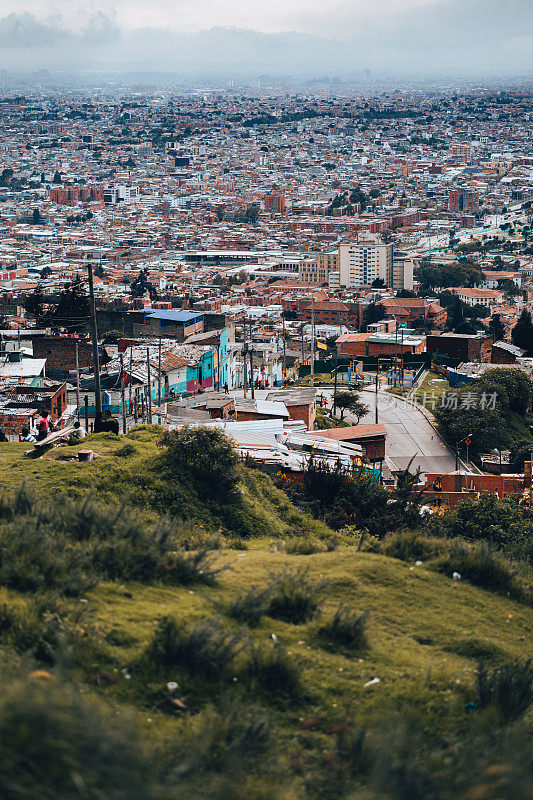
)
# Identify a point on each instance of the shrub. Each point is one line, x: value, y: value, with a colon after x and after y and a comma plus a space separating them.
x: 508, y: 688
x: 503, y: 524
x: 303, y: 546
x: 272, y: 672
x: 221, y: 740
x: 126, y: 450
x: 34, y: 558
x: 67, y: 546
x: 208, y: 648
x: 204, y: 455
x: 56, y: 744
x: 479, y: 565
x: 293, y: 596
x: 249, y: 607
x: 346, y: 628
x: 410, y: 546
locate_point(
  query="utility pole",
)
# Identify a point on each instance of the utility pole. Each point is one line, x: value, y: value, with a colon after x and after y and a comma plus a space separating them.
x: 395, y: 350
x: 94, y: 335
x: 335, y: 380
x: 401, y: 373
x: 149, y: 398
x: 245, y: 354
x: 159, y: 373
x: 252, y: 362
x: 313, y: 340
x: 131, y: 379
x: 77, y: 381
x: 377, y: 383
x: 123, y: 395
x: 284, y: 349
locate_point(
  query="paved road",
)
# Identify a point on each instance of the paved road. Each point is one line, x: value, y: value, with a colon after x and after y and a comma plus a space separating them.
x: 409, y: 434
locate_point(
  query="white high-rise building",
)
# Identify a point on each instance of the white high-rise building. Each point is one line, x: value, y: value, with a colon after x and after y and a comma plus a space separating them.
x: 363, y: 262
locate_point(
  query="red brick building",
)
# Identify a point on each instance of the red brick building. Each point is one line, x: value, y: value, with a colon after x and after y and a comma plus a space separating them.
x: 463, y: 200
x: 463, y: 346
x: 370, y: 437
x: 411, y: 309
x: 450, y: 489
x: 70, y: 195
x: 60, y: 352
x: 275, y: 204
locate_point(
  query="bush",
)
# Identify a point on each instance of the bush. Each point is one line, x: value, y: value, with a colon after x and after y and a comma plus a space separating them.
x: 508, y: 688
x: 303, y: 546
x: 480, y: 566
x: 503, y: 524
x: 272, y: 672
x: 249, y: 607
x: 221, y: 740
x: 55, y: 744
x: 410, y: 546
x: 207, y: 649
x: 206, y: 456
x: 346, y: 628
x: 126, y: 450
x: 69, y: 545
x: 293, y: 596
x: 35, y: 557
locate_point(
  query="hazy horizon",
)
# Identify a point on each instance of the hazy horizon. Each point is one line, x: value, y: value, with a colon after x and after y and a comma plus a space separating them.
x: 300, y: 37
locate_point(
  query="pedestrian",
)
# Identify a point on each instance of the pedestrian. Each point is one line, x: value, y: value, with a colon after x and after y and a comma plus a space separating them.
x: 99, y: 424
x: 226, y: 390
x: 43, y: 426
x: 77, y: 434
x: 27, y: 436
x: 110, y: 423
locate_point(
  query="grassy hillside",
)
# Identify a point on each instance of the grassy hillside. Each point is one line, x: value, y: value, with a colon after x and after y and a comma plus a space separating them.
x: 266, y: 708
x: 129, y: 469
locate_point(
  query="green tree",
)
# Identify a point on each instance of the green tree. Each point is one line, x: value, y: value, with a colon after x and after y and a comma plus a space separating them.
x: 36, y: 217
x: 251, y: 214
x: 34, y: 302
x: 374, y: 312
x: 57, y: 177
x: 520, y: 452
x: 512, y: 382
x: 509, y: 287
x: 141, y: 285
x: 349, y: 401
x: 469, y: 410
x: 496, y: 328
x: 522, y: 333
x: 72, y: 310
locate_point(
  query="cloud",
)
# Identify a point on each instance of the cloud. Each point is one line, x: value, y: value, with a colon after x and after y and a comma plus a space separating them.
x: 470, y: 36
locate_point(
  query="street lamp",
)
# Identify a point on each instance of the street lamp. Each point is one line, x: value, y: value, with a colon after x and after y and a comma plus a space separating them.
x: 468, y: 441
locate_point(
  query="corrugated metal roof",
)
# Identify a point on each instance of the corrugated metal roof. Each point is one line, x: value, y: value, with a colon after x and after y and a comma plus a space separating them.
x: 173, y: 315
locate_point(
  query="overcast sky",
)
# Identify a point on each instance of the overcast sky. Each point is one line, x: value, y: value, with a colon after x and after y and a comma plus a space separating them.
x: 277, y: 36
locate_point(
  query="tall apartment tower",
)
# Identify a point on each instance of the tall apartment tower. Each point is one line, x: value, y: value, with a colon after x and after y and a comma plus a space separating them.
x: 317, y: 269
x: 463, y: 200
x: 364, y: 262
x: 461, y: 151
x: 275, y: 204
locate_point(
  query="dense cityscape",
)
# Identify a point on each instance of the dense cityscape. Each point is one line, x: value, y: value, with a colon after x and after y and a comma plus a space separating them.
x: 266, y: 406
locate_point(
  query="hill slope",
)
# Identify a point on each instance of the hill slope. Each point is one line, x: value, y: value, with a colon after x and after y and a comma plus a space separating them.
x: 269, y: 709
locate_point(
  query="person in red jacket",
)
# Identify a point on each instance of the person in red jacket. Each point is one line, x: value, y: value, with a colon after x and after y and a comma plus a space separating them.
x: 43, y: 426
